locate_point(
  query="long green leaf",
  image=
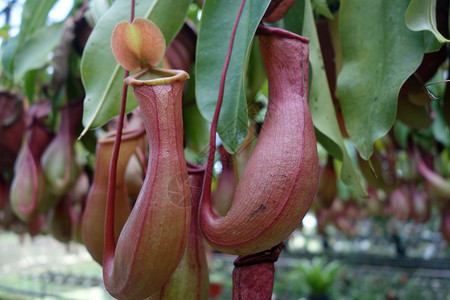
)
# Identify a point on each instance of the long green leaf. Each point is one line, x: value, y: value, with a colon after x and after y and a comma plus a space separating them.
x: 215, y: 30
x: 320, y: 102
x: 421, y: 15
x: 102, y: 76
x: 379, y: 54
x: 34, y: 16
x: 8, y: 54
x: 33, y: 54
x: 30, y: 85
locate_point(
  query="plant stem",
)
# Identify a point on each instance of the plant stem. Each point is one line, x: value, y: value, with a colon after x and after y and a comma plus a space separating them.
x: 132, y: 11
x: 253, y: 275
x: 110, y: 243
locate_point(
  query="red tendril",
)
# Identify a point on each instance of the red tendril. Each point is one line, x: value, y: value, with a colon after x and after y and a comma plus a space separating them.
x: 110, y: 243
x: 206, y: 193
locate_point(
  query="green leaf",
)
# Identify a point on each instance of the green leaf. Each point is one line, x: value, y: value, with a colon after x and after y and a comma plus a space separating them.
x: 95, y: 10
x: 102, y: 76
x: 401, y: 133
x: 255, y: 73
x: 196, y: 130
x: 33, y: 54
x: 320, y: 102
x: 431, y: 43
x: 421, y: 15
x: 30, y: 85
x: 321, y: 7
x: 34, y: 16
x: 440, y: 130
x: 294, y: 19
x: 214, y: 35
x: 379, y: 54
x: 4, y: 31
x: 8, y: 54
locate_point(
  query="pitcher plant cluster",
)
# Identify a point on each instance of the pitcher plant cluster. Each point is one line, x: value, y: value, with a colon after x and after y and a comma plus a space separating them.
x: 116, y: 147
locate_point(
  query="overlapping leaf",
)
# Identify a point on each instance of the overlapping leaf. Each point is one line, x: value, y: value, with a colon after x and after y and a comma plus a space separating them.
x: 34, y: 17
x: 320, y: 102
x: 215, y: 30
x: 421, y: 15
x: 379, y: 54
x: 33, y: 54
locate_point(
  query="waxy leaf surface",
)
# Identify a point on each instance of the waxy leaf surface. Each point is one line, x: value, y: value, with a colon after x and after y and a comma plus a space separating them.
x: 215, y: 29
x: 379, y: 54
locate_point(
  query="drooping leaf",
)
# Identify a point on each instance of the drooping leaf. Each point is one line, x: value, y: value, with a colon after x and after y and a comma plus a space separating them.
x: 29, y: 85
x: 379, y: 54
x: 102, y: 76
x: 8, y: 54
x: 320, y: 102
x: 421, y: 15
x: 34, y: 16
x: 34, y: 52
x: 215, y: 30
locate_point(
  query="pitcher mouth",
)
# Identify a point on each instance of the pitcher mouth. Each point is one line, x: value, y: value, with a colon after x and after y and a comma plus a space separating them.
x: 155, y: 76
